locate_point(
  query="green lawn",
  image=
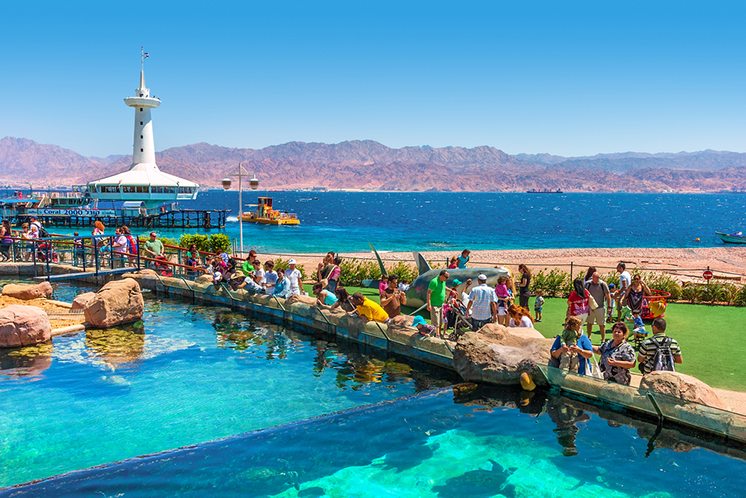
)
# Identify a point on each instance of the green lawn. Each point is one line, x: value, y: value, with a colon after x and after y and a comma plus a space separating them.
x: 709, y: 337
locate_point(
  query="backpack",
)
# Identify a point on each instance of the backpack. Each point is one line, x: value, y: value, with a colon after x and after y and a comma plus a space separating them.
x: 663, y: 359
x: 131, y: 244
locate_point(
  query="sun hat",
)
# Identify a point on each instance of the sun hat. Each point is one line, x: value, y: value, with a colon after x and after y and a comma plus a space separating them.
x: 418, y: 320
x: 482, y: 277
x: 291, y: 261
x: 456, y: 281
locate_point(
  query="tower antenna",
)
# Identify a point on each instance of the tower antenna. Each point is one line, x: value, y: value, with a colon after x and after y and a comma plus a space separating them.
x: 143, y: 55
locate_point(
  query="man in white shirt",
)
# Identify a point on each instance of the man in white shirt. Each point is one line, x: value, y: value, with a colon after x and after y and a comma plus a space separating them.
x: 482, y: 303
x: 294, y: 278
x: 625, y: 280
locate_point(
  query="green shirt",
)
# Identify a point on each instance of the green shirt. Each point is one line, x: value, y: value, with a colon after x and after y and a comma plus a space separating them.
x: 154, y: 246
x: 247, y: 268
x: 438, y: 288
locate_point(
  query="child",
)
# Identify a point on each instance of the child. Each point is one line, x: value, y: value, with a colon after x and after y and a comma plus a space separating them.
x: 503, y: 295
x: 463, y: 259
x: 423, y: 327
x: 569, y: 337
x: 78, y: 251
x: 612, y: 304
x: 538, y: 304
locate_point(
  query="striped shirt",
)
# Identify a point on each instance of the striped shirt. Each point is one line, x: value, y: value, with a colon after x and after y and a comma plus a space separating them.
x: 650, y: 345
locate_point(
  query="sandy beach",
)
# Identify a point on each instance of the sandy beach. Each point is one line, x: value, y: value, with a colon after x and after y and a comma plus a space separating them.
x: 727, y: 263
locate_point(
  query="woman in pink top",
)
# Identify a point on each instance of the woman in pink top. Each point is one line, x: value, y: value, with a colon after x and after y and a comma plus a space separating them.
x: 578, y: 302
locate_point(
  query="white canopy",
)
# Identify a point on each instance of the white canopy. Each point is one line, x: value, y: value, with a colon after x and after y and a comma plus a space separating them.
x: 144, y: 174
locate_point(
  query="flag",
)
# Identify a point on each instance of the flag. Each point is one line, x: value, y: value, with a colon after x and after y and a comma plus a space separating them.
x: 145, y: 55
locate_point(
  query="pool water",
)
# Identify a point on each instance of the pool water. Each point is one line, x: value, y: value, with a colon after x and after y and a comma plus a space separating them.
x: 189, y: 374
x: 437, y: 444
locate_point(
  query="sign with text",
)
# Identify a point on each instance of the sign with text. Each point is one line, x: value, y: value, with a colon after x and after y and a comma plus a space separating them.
x: 73, y: 212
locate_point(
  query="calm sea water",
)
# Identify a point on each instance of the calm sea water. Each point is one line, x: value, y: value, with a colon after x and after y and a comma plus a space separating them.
x: 427, y: 221
x: 502, y: 443
x: 349, y: 221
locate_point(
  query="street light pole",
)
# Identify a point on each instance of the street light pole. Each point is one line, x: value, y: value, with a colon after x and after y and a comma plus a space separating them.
x: 254, y: 183
x: 240, y: 210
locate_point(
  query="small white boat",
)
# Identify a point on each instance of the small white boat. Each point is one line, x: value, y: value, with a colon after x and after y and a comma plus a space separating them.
x: 732, y: 238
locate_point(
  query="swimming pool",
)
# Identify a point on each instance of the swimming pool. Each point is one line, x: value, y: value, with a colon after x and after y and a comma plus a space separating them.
x: 190, y: 374
x: 479, y: 444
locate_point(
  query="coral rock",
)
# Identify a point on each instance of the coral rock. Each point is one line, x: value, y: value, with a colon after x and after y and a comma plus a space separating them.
x: 118, y: 302
x: 23, y: 326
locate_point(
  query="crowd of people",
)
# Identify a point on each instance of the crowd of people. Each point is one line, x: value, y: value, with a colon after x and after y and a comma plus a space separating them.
x: 591, y: 302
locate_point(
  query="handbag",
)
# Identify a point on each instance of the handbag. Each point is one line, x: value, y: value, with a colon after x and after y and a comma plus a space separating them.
x: 592, y: 302
x: 595, y: 370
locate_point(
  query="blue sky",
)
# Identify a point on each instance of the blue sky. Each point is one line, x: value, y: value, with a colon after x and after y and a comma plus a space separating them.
x: 568, y: 78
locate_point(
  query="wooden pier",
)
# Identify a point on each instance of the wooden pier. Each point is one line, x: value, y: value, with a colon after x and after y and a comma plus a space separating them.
x: 205, y: 219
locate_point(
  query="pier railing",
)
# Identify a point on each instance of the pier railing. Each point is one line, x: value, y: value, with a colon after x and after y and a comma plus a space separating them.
x: 91, y: 255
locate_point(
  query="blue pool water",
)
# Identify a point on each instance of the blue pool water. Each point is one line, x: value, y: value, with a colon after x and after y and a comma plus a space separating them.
x: 191, y: 374
x: 480, y: 444
x: 426, y: 221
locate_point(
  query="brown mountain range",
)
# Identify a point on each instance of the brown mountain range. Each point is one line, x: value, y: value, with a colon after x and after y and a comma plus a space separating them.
x: 369, y: 165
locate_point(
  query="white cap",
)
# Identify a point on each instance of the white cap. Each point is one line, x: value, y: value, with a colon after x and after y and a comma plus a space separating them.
x: 291, y: 261
x: 482, y: 276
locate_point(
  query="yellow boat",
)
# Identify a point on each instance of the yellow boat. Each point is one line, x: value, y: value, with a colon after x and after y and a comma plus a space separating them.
x: 265, y: 214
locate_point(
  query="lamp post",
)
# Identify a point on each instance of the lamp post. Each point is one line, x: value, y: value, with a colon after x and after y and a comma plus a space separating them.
x: 254, y: 183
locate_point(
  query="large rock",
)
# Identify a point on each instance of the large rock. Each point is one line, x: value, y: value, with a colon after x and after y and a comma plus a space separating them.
x: 23, y: 326
x: 81, y: 300
x: 681, y: 386
x: 118, y: 302
x: 28, y: 291
x: 499, y: 355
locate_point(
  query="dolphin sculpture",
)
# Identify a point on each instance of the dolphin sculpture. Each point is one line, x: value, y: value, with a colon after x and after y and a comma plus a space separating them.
x: 417, y: 292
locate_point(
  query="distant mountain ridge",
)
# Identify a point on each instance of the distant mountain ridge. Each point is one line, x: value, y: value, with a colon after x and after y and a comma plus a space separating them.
x: 369, y: 165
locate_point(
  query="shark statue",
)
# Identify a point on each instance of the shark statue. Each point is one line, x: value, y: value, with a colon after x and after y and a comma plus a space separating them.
x: 417, y: 293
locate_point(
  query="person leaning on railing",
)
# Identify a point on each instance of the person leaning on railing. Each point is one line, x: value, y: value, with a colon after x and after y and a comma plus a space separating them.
x: 6, y: 241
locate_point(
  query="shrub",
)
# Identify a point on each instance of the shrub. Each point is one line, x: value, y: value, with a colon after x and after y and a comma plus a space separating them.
x: 740, y: 299
x: 405, y: 271
x: 219, y: 242
x: 555, y: 283
x: 355, y: 271
x: 712, y: 293
x: 202, y: 241
x: 692, y: 293
x: 730, y: 293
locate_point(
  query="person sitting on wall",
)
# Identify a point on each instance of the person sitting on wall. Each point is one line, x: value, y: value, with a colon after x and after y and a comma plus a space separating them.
x: 369, y: 310
x: 282, y: 286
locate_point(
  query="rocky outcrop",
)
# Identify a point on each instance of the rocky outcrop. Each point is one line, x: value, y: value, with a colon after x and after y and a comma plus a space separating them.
x: 23, y: 326
x: 681, y: 386
x: 116, y: 303
x: 26, y: 292
x: 498, y: 355
x: 81, y: 300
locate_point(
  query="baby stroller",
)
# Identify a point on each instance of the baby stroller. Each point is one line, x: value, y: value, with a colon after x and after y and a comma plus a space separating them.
x: 45, y: 250
x: 456, y: 317
x: 163, y: 267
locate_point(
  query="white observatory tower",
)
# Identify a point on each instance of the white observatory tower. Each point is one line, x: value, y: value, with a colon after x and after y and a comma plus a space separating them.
x: 143, y: 148
x: 143, y: 181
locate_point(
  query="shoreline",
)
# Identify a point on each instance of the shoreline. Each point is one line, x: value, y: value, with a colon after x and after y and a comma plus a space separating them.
x: 727, y: 263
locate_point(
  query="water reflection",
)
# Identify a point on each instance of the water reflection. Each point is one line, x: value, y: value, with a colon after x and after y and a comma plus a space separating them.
x: 353, y: 365
x: 116, y: 346
x: 29, y: 361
